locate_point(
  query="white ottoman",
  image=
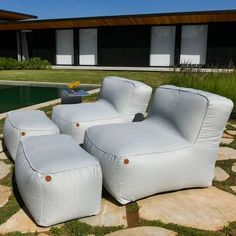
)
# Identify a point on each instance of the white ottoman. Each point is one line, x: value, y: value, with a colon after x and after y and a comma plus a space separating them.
x: 57, y: 179
x: 19, y: 124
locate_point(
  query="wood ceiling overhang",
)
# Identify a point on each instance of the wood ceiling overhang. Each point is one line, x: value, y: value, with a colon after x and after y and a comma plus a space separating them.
x: 14, y: 16
x: 150, y: 19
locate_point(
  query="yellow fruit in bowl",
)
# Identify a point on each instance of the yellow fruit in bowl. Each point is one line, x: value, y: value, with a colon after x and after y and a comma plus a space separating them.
x: 70, y: 85
x: 77, y: 84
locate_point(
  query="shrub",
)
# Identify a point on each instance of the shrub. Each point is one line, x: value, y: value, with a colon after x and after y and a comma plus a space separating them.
x: 34, y: 63
x: 220, y: 82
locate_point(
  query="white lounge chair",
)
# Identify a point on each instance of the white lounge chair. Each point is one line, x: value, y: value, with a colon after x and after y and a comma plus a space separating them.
x: 119, y: 100
x: 174, y: 148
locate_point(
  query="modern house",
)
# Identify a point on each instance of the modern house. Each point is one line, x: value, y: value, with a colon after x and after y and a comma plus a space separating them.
x: 206, y: 39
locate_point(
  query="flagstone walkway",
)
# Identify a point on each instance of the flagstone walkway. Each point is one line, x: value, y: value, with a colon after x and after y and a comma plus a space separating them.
x: 209, y: 209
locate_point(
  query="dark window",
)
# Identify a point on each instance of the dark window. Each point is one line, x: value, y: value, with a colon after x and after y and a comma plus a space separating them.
x: 8, y: 44
x: 42, y: 44
x: 124, y: 46
x: 221, y: 51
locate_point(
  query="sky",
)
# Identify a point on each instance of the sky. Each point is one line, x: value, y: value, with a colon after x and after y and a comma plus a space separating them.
x: 50, y: 9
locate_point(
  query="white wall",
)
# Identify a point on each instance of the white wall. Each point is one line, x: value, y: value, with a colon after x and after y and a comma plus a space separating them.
x: 193, y: 44
x: 162, y: 46
x: 88, y: 46
x: 64, y: 47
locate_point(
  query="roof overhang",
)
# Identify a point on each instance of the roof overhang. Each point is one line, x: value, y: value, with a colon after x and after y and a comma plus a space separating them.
x: 150, y: 19
x: 14, y: 16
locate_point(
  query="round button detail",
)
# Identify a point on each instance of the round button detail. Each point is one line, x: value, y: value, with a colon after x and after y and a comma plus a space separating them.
x: 23, y: 133
x: 48, y: 178
x: 77, y: 124
x: 126, y: 161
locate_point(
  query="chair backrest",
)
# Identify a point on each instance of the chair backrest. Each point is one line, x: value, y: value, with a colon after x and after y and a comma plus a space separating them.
x: 127, y: 96
x: 199, y: 116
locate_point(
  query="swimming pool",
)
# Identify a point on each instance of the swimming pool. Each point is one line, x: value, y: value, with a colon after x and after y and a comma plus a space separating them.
x: 15, y: 97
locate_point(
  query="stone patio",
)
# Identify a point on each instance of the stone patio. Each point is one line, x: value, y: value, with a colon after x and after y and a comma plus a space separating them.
x: 110, y: 215
x: 4, y: 169
x: 141, y: 231
x: 220, y: 174
x: 226, y: 153
x: 5, y: 193
x: 21, y: 222
x: 207, y: 208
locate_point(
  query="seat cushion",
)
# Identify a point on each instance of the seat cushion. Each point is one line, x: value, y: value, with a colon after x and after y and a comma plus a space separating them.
x: 85, y: 112
x: 137, y: 138
x: 51, y: 158
x: 30, y: 120
x: 19, y: 124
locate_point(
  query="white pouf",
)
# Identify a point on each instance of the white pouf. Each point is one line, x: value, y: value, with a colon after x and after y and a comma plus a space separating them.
x: 57, y: 179
x: 20, y: 124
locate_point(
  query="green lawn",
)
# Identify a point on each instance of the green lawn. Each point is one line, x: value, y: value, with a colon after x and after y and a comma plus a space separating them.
x: 84, y: 76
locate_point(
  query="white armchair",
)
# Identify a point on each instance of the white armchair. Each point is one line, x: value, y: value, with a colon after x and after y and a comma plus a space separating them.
x: 119, y: 100
x: 174, y: 148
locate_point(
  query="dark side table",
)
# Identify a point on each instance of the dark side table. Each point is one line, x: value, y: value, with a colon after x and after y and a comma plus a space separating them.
x: 72, y: 97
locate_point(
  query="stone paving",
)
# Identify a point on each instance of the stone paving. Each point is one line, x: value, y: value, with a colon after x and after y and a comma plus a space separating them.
x: 21, y: 222
x: 110, y: 215
x: 207, y: 208
x: 233, y: 188
x: 234, y: 167
x: 220, y: 174
x: 227, y: 140
x: 5, y: 193
x: 145, y: 230
x: 226, y: 153
x: 231, y: 132
x: 3, y: 156
x: 4, y: 169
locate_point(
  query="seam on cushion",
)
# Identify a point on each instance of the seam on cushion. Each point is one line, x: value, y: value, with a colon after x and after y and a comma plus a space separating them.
x: 206, y: 111
x: 41, y: 194
x: 120, y: 157
x: 37, y: 129
x: 56, y: 172
x: 124, y: 80
x: 88, y: 120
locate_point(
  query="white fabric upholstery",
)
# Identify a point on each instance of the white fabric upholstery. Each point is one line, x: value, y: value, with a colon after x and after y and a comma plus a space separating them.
x: 57, y: 179
x: 174, y: 148
x: 31, y: 123
x: 119, y: 100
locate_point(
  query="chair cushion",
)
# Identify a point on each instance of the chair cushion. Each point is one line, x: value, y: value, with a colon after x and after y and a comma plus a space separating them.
x: 19, y: 124
x: 100, y: 110
x: 139, y: 138
x: 30, y: 120
x: 51, y: 158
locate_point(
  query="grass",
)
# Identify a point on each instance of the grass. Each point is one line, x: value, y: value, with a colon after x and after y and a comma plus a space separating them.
x: 84, y: 76
x: 77, y: 228
x: 226, y: 165
x: 1, y: 125
x: 230, y: 230
x: 222, y: 83
x: 14, y: 202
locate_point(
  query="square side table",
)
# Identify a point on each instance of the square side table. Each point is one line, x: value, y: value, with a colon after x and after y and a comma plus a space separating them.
x: 73, y: 97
